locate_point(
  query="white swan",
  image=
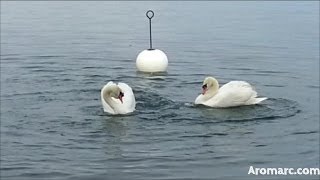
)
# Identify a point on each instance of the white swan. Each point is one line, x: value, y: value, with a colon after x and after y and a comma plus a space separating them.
x: 117, y: 98
x: 234, y: 93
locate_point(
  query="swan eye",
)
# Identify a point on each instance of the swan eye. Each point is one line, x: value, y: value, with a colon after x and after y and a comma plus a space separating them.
x: 204, y: 86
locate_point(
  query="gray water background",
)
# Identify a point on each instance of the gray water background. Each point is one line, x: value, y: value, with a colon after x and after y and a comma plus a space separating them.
x: 56, y: 56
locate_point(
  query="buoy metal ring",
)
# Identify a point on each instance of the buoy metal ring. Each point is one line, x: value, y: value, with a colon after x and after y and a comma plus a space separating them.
x: 150, y: 14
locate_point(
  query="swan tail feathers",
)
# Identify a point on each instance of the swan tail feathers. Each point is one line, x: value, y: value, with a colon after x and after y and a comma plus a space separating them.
x: 257, y: 100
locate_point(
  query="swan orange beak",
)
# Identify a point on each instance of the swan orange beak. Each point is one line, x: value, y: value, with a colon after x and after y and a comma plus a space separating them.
x: 120, y: 96
x: 204, y: 89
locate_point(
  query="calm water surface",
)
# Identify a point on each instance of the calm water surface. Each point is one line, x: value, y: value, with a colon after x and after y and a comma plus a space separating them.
x: 56, y: 56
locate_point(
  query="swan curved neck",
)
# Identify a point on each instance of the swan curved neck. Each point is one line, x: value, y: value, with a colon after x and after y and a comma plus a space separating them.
x: 107, y: 90
x: 106, y: 95
x: 212, y: 90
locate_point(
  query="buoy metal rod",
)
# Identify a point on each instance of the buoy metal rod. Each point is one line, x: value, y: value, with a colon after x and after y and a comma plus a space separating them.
x: 150, y: 34
x: 150, y: 15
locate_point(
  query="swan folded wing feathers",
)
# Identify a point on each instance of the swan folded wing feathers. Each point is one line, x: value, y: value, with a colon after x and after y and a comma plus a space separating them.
x: 245, y: 93
x: 128, y: 98
x: 230, y: 97
x: 254, y: 99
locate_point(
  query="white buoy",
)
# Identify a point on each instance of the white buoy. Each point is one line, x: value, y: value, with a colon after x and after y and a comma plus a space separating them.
x: 152, y: 60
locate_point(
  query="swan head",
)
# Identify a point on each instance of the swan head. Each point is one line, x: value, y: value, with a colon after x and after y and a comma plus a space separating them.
x: 209, y: 83
x: 114, y: 91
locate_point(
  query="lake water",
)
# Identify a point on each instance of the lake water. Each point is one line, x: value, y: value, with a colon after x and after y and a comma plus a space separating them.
x: 56, y: 56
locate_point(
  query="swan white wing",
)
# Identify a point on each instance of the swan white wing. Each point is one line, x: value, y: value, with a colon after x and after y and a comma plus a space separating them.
x: 129, y: 102
x: 234, y: 93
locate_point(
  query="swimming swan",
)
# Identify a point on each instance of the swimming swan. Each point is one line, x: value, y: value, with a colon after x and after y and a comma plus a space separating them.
x: 234, y: 93
x: 117, y: 98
